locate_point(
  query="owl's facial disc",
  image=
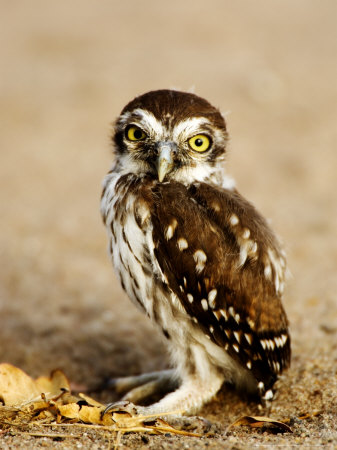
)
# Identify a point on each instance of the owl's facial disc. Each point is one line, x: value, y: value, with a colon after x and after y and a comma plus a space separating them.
x: 171, y: 140
x: 165, y: 159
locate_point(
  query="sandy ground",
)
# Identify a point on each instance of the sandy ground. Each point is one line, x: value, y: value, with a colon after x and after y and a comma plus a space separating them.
x: 67, y: 69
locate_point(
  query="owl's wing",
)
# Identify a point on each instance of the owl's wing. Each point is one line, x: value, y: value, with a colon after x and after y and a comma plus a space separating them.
x: 224, y: 264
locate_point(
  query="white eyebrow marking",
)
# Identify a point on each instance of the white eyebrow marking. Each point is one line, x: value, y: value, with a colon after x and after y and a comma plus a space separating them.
x: 146, y: 121
x: 185, y: 129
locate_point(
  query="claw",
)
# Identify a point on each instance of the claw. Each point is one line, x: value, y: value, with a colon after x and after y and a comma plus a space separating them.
x: 125, y: 384
x: 122, y: 406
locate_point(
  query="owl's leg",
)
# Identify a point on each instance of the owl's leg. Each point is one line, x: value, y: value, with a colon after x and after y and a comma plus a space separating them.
x: 200, y: 379
x: 140, y: 387
x: 193, y: 393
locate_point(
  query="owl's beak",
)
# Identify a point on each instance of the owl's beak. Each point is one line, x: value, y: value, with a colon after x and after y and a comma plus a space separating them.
x: 165, y: 159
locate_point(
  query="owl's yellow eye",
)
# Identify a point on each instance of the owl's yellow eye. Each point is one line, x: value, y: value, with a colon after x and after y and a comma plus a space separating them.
x: 134, y: 133
x: 199, y: 143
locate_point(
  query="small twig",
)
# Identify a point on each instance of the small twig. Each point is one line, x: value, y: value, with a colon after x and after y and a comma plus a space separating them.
x: 118, y: 440
x: 50, y: 435
x: 175, y: 431
x: 145, y: 429
x: 81, y: 425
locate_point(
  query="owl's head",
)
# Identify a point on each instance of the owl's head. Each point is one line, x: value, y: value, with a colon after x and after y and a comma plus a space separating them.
x: 170, y: 135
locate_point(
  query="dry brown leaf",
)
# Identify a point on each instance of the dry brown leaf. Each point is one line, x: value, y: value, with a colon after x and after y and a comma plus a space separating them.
x: 260, y: 421
x: 54, y: 384
x: 35, y: 406
x: 87, y: 414
x: 91, y: 401
x: 48, y: 401
x: 7, y: 413
x: 16, y: 387
x: 93, y: 414
x: 64, y: 398
x: 70, y: 411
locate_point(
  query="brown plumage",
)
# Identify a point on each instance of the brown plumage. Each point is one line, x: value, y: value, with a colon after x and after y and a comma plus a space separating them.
x: 192, y: 252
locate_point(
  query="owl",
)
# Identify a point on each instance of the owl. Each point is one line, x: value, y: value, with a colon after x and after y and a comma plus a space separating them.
x: 194, y: 255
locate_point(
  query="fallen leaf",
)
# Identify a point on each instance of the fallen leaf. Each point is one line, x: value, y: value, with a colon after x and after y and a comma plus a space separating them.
x: 90, y: 401
x: 93, y: 414
x: 70, y: 411
x: 54, y: 384
x: 86, y: 414
x: 16, y: 387
x: 39, y: 405
x: 48, y: 401
x: 260, y: 421
x: 125, y: 419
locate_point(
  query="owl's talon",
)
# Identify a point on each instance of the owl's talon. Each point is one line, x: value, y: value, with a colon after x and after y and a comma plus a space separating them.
x: 138, y: 388
x: 122, y: 406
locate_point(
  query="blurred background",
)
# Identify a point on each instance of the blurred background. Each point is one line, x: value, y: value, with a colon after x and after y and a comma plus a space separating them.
x: 67, y: 69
